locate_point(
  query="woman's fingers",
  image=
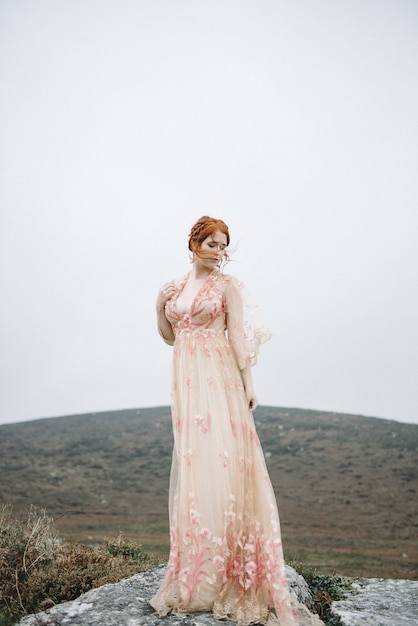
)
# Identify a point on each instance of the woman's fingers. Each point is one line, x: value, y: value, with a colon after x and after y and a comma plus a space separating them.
x: 165, y: 293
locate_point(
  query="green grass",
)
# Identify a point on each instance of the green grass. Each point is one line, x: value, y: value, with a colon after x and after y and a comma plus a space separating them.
x: 325, y: 589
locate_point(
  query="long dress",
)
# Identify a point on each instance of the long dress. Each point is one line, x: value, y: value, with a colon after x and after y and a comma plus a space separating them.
x: 225, y: 543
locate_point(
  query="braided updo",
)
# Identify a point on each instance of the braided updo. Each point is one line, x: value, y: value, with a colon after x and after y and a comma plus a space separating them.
x: 204, y: 227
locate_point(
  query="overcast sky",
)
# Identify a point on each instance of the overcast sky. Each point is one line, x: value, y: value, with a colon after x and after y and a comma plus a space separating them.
x: 124, y: 121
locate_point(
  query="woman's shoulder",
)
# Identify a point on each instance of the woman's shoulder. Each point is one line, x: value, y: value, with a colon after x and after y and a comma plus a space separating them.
x: 229, y: 279
x: 179, y: 280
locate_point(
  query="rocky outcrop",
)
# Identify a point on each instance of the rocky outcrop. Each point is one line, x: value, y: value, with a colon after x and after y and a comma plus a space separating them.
x: 370, y: 602
x: 379, y: 602
x: 126, y: 604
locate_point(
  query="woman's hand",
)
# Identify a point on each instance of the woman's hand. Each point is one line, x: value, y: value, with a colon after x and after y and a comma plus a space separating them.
x: 251, y: 399
x: 166, y: 292
x: 164, y: 327
x: 247, y: 380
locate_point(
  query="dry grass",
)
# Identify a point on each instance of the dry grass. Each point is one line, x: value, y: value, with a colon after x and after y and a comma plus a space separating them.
x: 38, y: 570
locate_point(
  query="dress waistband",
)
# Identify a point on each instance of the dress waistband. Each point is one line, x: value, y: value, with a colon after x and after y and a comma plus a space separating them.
x: 188, y: 330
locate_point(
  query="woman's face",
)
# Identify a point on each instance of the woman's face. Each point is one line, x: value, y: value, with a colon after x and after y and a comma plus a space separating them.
x: 212, y: 249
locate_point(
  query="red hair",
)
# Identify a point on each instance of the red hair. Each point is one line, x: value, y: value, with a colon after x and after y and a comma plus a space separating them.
x: 203, y: 228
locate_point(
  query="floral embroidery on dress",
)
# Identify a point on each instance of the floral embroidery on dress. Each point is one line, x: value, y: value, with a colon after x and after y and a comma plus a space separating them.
x: 233, y: 426
x: 244, y: 559
x: 224, y: 456
x: 188, y: 457
x: 176, y: 422
x: 203, y: 423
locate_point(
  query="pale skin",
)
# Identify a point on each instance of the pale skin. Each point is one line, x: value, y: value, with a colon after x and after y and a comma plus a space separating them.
x: 205, y: 259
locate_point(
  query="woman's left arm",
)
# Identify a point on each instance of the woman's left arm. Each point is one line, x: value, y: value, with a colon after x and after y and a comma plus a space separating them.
x: 237, y: 338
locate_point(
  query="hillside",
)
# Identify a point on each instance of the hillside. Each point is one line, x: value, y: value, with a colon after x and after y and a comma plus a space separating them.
x: 346, y: 485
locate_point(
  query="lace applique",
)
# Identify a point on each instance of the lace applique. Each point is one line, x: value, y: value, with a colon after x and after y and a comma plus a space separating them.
x: 247, y: 330
x: 255, y: 328
x: 223, y: 303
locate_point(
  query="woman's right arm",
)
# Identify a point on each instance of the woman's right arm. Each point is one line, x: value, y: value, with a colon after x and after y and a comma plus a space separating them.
x: 164, y: 327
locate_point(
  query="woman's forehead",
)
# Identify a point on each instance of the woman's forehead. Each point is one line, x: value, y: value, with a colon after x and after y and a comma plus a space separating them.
x: 217, y: 236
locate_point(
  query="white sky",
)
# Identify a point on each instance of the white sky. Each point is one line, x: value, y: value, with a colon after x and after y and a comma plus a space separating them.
x: 122, y: 122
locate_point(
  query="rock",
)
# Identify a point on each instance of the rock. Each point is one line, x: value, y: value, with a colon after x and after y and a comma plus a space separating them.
x: 126, y: 604
x: 379, y: 602
x: 370, y: 602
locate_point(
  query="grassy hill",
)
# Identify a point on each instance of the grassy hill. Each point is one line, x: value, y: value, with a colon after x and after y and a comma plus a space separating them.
x: 346, y: 485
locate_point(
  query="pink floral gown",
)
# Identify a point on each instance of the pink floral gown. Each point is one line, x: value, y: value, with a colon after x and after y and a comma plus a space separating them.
x: 225, y: 545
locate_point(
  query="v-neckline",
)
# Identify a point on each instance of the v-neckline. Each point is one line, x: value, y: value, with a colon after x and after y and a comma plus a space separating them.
x: 197, y: 294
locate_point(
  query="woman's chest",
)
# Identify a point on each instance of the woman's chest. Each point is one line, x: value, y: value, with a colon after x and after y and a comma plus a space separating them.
x: 202, y: 305
x: 187, y: 295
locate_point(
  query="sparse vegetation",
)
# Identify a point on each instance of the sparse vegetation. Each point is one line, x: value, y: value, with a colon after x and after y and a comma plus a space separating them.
x: 38, y: 569
x: 325, y: 589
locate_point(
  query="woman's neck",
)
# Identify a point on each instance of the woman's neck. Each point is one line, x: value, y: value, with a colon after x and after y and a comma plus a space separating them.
x: 200, y: 272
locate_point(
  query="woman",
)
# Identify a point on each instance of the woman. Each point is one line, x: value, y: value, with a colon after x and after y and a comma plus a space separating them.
x: 225, y: 545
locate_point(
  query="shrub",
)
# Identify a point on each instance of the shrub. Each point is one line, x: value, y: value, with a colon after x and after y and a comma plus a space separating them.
x: 325, y: 588
x: 38, y: 570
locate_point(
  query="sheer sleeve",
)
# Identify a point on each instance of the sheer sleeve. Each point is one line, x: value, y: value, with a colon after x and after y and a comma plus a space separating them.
x: 245, y: 325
